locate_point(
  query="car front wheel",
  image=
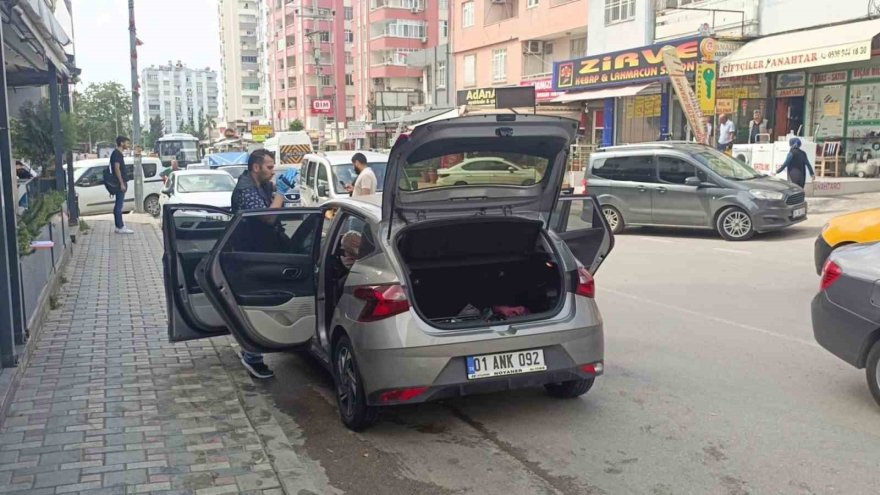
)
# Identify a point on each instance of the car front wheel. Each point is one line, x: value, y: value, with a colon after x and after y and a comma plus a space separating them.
x: 356, y: 415
x: 872, y: 370
x: 151, y: 205
x: 734, y: 224
x: 569, y: 389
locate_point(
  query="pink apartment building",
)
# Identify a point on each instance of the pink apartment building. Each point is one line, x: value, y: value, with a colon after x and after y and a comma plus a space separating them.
x: 309, y: 46
x: 386, y: 33
x: 515, y: 42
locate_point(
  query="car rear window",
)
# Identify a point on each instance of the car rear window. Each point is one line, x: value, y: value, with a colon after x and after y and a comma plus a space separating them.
x: 477, y: 168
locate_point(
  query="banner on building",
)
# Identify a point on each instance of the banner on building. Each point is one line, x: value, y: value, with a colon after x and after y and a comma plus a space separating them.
x: 510, y: 97
x: 624, y: 67
x: 322, y: 106
x: 706, y: 81
x: 543, y: 88
x: 261, y: 132
x: 686, y: 95
x: 724, y: 106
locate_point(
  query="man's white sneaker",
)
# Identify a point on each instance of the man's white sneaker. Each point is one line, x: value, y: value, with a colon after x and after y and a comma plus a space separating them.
x: 124, y: 230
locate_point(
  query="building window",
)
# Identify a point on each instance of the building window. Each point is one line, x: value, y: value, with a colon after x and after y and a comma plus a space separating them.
x: 444, y: 29
x: 349, y: 58
x: 326, y: 80
x: 250, y: 86
x: 441, y: 75
x: 444, y: 5
x: 349, y: 13
x: 248, y: 59
x: 578, y: 47
x: 349, y: 79
x: 324, y: 36
x: 467, y: 14
x: 619, y: 10
x: 499, y: 65
x: 349, y: 36
x: 470, y: 70
x: 532, y: 3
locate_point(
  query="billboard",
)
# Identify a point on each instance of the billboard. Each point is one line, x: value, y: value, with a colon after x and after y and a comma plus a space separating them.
x: 322, y: 106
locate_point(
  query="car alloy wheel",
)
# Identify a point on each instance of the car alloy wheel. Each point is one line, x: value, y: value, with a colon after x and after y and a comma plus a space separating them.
x: 151, y: 206
x: 736, y: 225
x: 350, y: 396
x: 612, y: 216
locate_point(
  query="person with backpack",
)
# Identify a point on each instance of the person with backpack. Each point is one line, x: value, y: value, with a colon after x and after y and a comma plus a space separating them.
x: 118, y: 184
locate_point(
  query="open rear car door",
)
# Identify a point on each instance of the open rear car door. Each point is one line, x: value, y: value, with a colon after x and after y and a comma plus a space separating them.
x: 257, y: 280
x: 579, y: 222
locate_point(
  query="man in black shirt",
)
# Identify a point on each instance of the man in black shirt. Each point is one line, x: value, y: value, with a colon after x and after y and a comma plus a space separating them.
x: 117, y: 168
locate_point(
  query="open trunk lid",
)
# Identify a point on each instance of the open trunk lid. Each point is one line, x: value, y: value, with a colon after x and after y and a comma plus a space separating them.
x: 499, y: 164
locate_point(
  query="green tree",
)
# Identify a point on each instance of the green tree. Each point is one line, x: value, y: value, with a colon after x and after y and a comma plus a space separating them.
x: 31, y: 135
x: 296, y: 125
x: 155, y: 131
x: 103, y: 111
x: 201, y: 128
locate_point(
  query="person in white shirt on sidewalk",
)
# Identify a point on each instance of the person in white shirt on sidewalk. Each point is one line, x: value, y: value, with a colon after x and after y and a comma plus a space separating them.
x: 366, y: 182
x: 726, y: 133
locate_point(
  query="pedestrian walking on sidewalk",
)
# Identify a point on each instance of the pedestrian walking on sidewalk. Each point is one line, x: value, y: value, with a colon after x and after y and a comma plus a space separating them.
x: 726, y: 133
x: 254, y: 191
x: 797, y: 164
x: 117, y: 170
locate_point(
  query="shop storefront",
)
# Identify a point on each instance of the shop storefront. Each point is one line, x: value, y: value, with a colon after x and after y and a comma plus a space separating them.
x: 828, y: 93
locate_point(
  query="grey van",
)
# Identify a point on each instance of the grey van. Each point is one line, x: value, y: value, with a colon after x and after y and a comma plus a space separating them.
x: 683, y: 184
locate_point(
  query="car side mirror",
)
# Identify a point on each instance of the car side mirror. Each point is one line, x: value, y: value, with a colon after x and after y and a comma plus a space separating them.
x: 322, y: 190
x: 693, y: 182
x: 511, y: 169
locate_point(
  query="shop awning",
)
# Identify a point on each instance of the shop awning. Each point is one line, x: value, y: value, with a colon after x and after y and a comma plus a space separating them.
x: 601, y: 94
x: 831, y: 45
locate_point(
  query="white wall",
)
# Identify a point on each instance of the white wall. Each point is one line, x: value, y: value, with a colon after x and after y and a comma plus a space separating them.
x: 787, y: 15
x: 620, y: 36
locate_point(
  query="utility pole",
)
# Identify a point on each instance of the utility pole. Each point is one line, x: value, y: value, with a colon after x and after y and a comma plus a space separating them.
x: 135, y: 113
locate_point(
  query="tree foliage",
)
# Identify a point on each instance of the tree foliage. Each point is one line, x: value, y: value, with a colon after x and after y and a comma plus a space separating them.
x: 31, y: 135
x: 100, y: 109
x: 155, y: 131
x: 200, y: 129
x: 296, y: 125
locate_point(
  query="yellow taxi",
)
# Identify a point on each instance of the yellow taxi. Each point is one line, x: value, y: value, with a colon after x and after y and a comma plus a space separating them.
x: 852, y: 228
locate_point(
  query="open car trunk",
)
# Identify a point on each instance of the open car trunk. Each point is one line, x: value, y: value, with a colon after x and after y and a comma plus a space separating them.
x: 481, y: 271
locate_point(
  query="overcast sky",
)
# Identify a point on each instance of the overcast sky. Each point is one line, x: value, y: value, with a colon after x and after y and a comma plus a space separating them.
x: 185, y: 30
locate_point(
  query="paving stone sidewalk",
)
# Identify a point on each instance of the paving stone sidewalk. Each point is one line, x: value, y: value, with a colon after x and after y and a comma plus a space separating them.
x: 107, y: 405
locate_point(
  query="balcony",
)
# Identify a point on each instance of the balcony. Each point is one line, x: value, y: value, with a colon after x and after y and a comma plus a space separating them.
x: 394, y: 71
x: 678, y: 18
x: 414, y: 30
x: 411, y: 5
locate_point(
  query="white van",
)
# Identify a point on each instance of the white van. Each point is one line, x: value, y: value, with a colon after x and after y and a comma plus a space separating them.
x: 88, y: 177
x: 324, y: 175
x: 289, y: 148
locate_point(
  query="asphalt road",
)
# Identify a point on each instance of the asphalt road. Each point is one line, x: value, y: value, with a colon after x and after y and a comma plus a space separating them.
x: 713, y: 384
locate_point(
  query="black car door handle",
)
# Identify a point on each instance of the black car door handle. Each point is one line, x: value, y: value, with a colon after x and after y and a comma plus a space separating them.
x: 291, y: 273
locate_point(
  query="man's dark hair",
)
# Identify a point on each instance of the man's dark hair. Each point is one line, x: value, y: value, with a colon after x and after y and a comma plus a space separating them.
x: 359, y: 157
x: 257, y: 158
x: 120, y: 140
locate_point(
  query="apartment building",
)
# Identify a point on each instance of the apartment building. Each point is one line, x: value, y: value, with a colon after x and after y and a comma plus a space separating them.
x: 515, y: 42
x: 399, y: 64
x: 178, y: 94
x: 242, y: 60
x: 309, y: 48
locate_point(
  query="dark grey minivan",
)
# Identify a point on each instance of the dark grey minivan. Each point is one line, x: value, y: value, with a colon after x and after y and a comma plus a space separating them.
x: 684, y: 184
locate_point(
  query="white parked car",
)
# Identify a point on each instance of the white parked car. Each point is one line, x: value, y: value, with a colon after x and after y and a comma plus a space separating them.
x: 323, y: 176
x: 487, y: 170
x: 88, y: 177
x: 198, y: 187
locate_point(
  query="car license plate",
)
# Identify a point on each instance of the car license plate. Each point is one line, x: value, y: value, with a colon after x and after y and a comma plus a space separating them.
x: 505, y: 363
x: 799, y: 213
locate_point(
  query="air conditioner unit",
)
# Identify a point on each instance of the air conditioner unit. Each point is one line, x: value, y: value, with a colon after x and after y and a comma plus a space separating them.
x: 424, y: 39
x: 416, y: 9
x: 533, y: 47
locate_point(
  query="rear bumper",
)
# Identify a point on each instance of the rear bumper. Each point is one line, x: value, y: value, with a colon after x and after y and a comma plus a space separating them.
x: 841, y: 332
x: 821, y: 251
x: 769, y: 219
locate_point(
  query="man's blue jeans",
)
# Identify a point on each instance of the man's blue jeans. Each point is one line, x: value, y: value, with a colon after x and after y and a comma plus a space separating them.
x: 251, y: 357
x: 117, y: 209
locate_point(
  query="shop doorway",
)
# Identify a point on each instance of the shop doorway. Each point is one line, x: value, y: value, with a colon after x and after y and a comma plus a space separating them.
x: 789, y: 116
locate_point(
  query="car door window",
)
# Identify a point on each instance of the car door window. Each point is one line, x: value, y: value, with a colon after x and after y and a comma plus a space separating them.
x: 322, y: 180
x: 638, y: 168
x: 579, y: 222
x: 605, y: 168
x: 310, y: 173
x: 149, y: 168
x: 674, y: 170
x: 92, y: 177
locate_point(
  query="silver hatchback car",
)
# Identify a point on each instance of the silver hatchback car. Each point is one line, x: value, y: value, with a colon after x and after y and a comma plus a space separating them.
x: 425, y: 292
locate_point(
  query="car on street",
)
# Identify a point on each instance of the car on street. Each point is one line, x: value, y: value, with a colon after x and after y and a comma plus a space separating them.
x: 851, y: 228
x: 489, y: 170
x: 92, y: 196
x: 683, y: 184
x: 198, y: 187
x: 417, y: 294
x: 324, y: 176
x: 846, y: 311
x: 234, y: 170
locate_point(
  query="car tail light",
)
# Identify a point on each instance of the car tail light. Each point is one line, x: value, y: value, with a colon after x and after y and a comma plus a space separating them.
x: 383, y: 301
x: 830, y: 273
x: 586, y: 286
x: 586, y: 184
x: 593, y: 368
x: 402, y: 395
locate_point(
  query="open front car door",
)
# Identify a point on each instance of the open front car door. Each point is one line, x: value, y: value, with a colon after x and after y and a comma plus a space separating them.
x: 579, y: 222
x: 258, y: 279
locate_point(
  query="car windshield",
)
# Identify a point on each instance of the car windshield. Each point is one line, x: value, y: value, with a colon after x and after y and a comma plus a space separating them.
x: 725, y: 166
x: 344, y: 175
x: 234, y: 170
x: 205, y: 183
x: 475, y: 168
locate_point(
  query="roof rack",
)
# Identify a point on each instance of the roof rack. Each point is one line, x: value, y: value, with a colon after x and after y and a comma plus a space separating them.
x: 649, y: 144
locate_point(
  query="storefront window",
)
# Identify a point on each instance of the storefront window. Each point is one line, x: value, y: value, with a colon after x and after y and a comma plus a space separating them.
x: 638, y: 118
x: 863, y: 127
